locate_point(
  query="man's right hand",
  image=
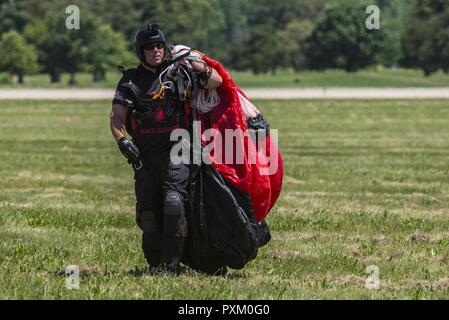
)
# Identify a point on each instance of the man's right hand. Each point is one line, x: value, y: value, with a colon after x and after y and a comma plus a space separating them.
x: 129, y: 150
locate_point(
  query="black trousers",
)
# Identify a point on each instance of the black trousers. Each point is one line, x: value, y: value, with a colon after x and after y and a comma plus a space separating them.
x: 164, y: 226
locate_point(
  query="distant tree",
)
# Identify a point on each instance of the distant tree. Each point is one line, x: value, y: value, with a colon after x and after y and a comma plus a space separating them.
x: 442, y: 39
x: 293, y: 39
x: 235, y: 28
x: 107, y: 50
x: 394, y: 15
x: 36, y: 33
x: 276, y: 34
x: 280, y: 13
x: 36, y: 9
x: 65, y: 50
x: 13, y: 15
x: 124, y: 16
x: 56, y: 47
x: 195, y: 23
x: 262, y: 51
x: 340, y: 39
x: 425, y: 39
x: 17, y: 57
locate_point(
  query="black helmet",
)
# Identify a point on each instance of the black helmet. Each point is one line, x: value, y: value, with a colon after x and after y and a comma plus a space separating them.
x: 151, y: 34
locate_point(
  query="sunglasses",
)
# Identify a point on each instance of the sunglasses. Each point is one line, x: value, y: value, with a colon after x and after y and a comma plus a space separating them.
x: 151, y: 46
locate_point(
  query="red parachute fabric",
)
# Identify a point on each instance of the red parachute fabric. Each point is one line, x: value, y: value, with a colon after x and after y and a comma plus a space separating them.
x: 249, y: 175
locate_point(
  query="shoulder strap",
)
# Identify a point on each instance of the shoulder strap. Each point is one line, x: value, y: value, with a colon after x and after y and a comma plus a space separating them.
x: 128, y: 74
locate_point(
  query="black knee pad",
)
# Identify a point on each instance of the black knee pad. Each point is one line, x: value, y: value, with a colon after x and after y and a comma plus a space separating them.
x: 174, y: 203
x: 148, y: 222
x: 175, y: 224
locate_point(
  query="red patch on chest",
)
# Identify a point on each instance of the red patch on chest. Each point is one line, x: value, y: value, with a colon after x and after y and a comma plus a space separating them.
x: 159, y: 115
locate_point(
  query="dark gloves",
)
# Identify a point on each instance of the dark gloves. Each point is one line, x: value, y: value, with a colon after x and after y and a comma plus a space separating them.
x: 203, y: 75
x: 130, y: 151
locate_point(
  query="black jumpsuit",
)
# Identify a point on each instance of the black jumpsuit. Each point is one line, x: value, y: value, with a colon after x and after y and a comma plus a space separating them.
x: 161, y: 193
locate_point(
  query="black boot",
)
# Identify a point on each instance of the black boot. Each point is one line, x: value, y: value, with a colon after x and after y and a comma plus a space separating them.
x: 169, y: 270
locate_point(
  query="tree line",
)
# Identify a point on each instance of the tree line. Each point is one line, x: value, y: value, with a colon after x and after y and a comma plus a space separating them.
x: 258, y: 35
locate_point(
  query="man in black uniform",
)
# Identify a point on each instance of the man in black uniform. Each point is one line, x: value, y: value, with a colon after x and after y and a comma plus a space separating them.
x: 160, y: 186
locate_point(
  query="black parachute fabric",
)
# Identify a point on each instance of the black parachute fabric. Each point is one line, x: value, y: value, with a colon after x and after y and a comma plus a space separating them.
x: 222, y: 226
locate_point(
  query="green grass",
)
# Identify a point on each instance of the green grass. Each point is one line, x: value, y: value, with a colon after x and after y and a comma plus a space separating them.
x: 338, y: 78
x: 366, y: 183
x: 282, y: 79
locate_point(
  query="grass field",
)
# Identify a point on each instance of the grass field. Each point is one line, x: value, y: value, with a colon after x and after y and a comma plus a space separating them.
x: 367, y: 183
x: 282, y: 79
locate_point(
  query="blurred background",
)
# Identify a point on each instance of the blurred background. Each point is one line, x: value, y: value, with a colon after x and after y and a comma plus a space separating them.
x: 265, y: 43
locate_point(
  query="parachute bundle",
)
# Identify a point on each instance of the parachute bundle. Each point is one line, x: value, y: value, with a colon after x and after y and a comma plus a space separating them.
x: 261, y: 178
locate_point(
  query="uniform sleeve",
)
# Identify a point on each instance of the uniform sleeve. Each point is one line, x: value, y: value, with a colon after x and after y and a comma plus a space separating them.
x: 121, y: 93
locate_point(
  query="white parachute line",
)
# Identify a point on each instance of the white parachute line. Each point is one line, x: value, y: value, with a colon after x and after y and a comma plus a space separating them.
x: 163, y: 72
x: 205, y: 104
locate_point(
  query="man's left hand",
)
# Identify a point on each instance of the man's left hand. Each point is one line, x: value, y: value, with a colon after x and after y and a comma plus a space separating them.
x: 129, y: 150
